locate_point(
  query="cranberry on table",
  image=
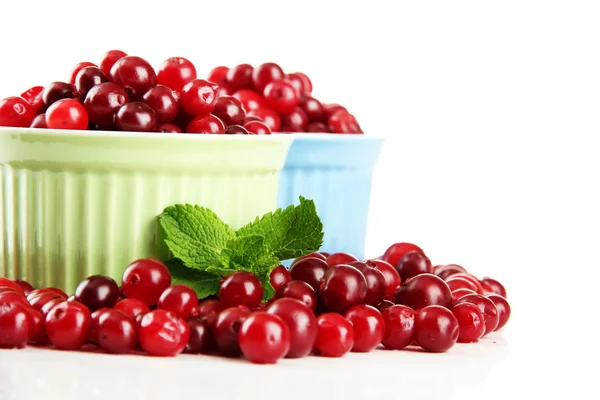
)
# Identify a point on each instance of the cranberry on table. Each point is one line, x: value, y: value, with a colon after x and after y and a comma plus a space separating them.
x: 109, y: 59
x: 116, y: 332
x: 468, y: 277
x: 132, y: 307
x: 97, y: 291
x: 458, y: 293
x: 425, y: 290
x: 39, y: 122
x: 301, y: 82
x: 299, y: 290
x: 198, y: 97
x: 470, y: 321
x: 503, y: 309
x: 268, y: 116
x: 312, y: 108
x: 236, y: 130
x: 57, y: 91
x: 179, y: 299
x: 175, y: 73
x: 78, y: 67
x: 343, y: 122
x: 384, y: 305
x: 166, y: 127
x: 87, y: 78
x: 50, y: 304
x: 281, y: 96
x: 16, y: 325
x: 296, y: 121
x: 217, y: 75
x: 102, y: 103
x: 67, y: 114
x: 335, y: 336
x: 34, y: 96
x: 239, y: 77
x: 368, y: 325
x: 399, y: 327
x: 226, y: 329
x: 241, y: 288
x: 436, y: 329
x: 134, y: 74
x: 163, y: 334
x: 344, y: 287
x: 162, y: 100
x: 264, y: 338
x: 279, y: 277
x: 317, y: 127
x: 145, y: 279
x: 209, y: 306
x: 257, y: 128
x: 487, y: 308
x: 68, y: 325
x: 12, y: 296
x: 37, y: 332
x: 444, y: 271
x: 229, y: 110
x: 391, y: 276
x: 376, y: 285
x: 395, y: 252
x: 301, y: 322
x: 455, y: 283
x: 490, y: 285
x: 201, y: 338
x: 16, y: 112
x: 340, y: 258
x: 5, y: 282
x: 309, y: 270
x: 136, y: 117
x: 24, y: 285
x: 412, y: 264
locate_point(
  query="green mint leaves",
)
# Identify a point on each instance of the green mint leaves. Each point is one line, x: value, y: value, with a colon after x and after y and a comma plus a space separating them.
x: 206, y: 249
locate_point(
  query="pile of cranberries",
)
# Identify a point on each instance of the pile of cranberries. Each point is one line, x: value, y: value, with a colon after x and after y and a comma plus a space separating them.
x: 325, y: 304
x: 126, y: 93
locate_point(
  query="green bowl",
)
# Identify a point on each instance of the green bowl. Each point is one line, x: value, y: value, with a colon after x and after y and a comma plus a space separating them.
x: 79, y: 203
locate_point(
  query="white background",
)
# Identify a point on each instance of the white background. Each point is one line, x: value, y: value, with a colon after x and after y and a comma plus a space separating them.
x: 492, y: 114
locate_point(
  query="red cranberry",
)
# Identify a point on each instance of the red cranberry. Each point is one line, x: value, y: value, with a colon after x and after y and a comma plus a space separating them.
x: 102, y: 103
x: 67, y: 114
x: 236, y: 130
x: 40, y: 300
x: 368, y: 325
x: 264, y: 338
x: 16, y: 112
x: 391, y: 276
x: 209, y: 306
x: 250, y: 99
x: 37, y: 333
x: 335, y: 335
x: 425, y: 290
x: 313, y: 109
x: 460, y: 283
x: 279, y: 277
x: 78, y: 67
x: 436, y: 329
x: 57, y: 91
x: 39, y: 122
x: 163, y: 334
x: 34, y: 96
x: 444, y: 271
x: 175, y: 73
x: 468, y: 277
x: 257, y: 128
x: 400, y: 327
x: 97, y: 291
x: 162, y: 100
x: 43, y: 290
x: 239, y: 77
x: 116, y: 332
x: 217, y: 75
x: 376, y: 284
x: 470, y: 321
x: 457, y: 294
x: 229, y: 110
x: 265, y: 74
x: 296, y: 121
x: 198, y: 97
x: 331, y: 109
x: 395, y: 252
x: 25, y: 286
x: 87, y: 78
x: 11, y: 296
x: 136, y: 117
x: 226, y: 330
x: 16, y: 325
x: 317, y: 127
x: 412, y: 264
x: 490, y: 285
x: 132, y: 307
x: 487, y: 308
x: 241, y: 288
x: 201, y: 338
x: 109, y: 59
x: 503, y: 309
x: 5, y: 282
x: 281, y: 96
x: 309, y: 270
x: 299, y: 290
x: 268, y: 116
x: 385, y: 304
x: 179, y: 299
x: 50, y: 304
x: 134, y: 74
x: 145, y: 279
x: 344, y: 287
x: 343, y: 122
x: 340, y: 258
x: 208, y: 124
x: 311, y: 255
x: 166, y: 127
x: 301, y: 83
x: 302, y: 324
x: 68, y: 325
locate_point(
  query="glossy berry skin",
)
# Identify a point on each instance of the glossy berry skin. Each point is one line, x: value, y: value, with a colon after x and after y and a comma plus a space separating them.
x: 5, y: 282
x: 68, y: 325
x: 209, y: 306
x: 368, y: 325
x: 38, y: 301
x: 39, y: 122
x: 116, y: 332
x: 208, y: 124
x: 343, y: 122
x: 12, y: 296
x: 145, y: 279
x: 37, y: 332
x: 264, y: 338
x: 43, y: 290
x: 201, y: 338
x: 268, y: 116
x: 265, y: 74
x: 344, y: 287
x: 257, y: 128
x: 311, y: 255
x: 296, y: 121
x: 424, y: 290
x: 468, y: 277
x: 281, y: 96
x: 87, y: 78
x: 503, y: 308
x: 460, y: 283
x: 395, y: 252
x: 385, y: 304
x: 436, y: 329
x: 236, y: 130
x: 132, y: 307
x: 162, y: 100
x: 136, y: 117
x: 226, y: 330
x: 198, y: 97
x: 134, y: 74
x: 335, y: 335
x: 217, y: 75
x: 239, y: 77
x: 490, y: 285
x: 444, y: 271
x: 16, y: 325
x: 175, y: 73
x: 163, y: 334
x: 279, y: 277
x: 487, y: 308
x: 250, y: 99
x: 298, y: 290
x: 312, y: 108
x: 229, y: 110
x: 340, y: 258
x: 301, y: 322
x: 376, y: 285
x: 34, y: 96
x: 470, y: 321
x: 317, y: 127
x: 109, y: 59
x: 97, y: 291
x: 67, y: 114
x: 50, y: 304
x: 25, y: 286
x: 457, y: 294
x: 399, y: 327
x: 78, y: 67
x: 412, y: 264
x: 15, y: 111
x: 332, y: 108
x: 179, y: 299
x: 166, y: 127
x: 391, y: 277
x: 57, y: 91
x: 102, y: 103
x: 241, y: 288
x: 301, y: 82
x: 309, y: 270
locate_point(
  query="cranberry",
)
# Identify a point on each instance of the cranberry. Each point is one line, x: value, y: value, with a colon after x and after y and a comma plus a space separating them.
x: 136, y: 117
x: 412, y: 264
x: 217, y: 75
x: 424, y: 290
x: 162, y: 100
x: 309, y: 270
x: 57, y: 91
x: 239, y: 77
x: 145, y: 279
x: 78, y: 67
x: 134, y: 74
x: 166, y: 127
x: 38, y: 301
x: 102, y: 103
x: 229, y: 110
x: 302, y: 324
x: 265, y: 74
x: 281, y: 96
x: 470, y: 321
x: 301, y: 83
x: 296, y: 121
x: 68, y: 325
x: 458, y: 293
x: 340, y: 258
x: 395, y: 252
x: 198, y: 97
x: 300, y: 291
x: 15, y: 111
x: 257, y: 128
x: 39, y: 122
x: 37, y: 332
x: 25, y: 286
x: 50, y: 304
x: 311, y: 255
x: 279, y: 277
x: 391, y: 276
x: 444, y: 271
x: 344, y: 287
x: 109, y: 59
x: 16, y: 325
x: 87, y: 78
x: 250, y: 99
x: 487, y: 308
x: 209, y: 306
x: 93, y: 334
x: 376, y: 284
x: 175, y: 73
x: 179, y: 299
x: 67, y: 114
x: 201, y: 338
x: 436, y: 329
x: 468, y: 277
x: 241, y: 288
x: 44, y: 290
x: 268, y: 116
x: 503, y: 309
x: 226, y: 330
x: 384, y: 305
x: 5, y: 282
x: 490, y: 285
x: 12, y: 296
x: 132, y: 307
x: 400, y: 327
x: 343, y: 122
x: 317, y: 127
x: 368, y: 325
x: 116, y: 332
x: 163, y: 333
x: 97, y: 291
x: 335, y: 335
x: 313, y: 109
x: 34, y: 96
x: 236, y: 130
x: 264, y: 338
x: 331, y: 109
x: 460, y: 283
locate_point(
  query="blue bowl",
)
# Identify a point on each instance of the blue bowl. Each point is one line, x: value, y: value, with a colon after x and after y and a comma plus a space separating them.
x: 336, y: 172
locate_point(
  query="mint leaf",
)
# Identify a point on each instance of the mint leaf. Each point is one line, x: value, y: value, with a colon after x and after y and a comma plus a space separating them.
x: 203, y: 283
x: 195, y: 234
